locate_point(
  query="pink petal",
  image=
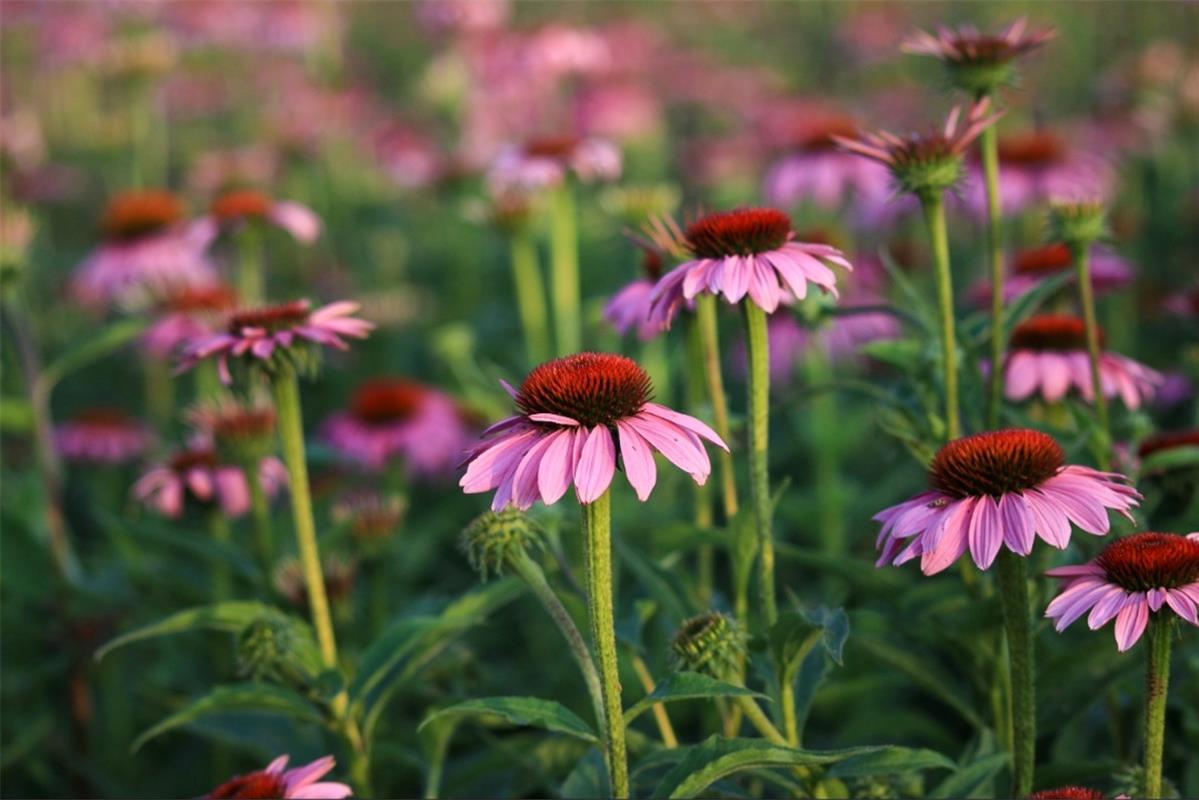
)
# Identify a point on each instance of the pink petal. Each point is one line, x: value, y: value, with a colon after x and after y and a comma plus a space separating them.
x: 1017, y: 524
x: 672, y: 442
x: 686, y: 422
x: 1108, y: 605
x: 301, y: 776
x: 948, y: 539
x: 1131, y: 622
x: 597, y: 463
x: 638, y: 460
x: 1182, y: 605
x: 557, y: 467
x: 985, y: 532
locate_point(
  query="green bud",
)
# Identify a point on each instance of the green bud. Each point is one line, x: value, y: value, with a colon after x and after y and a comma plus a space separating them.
x: 1078, y: 224
x: 492, y: 539
x: 711, y: 643
x: 981, y: 78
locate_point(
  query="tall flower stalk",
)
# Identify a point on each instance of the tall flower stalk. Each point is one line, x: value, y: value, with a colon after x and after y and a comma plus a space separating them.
x: 988, y: 145
x: 1157, y: 684
x: 1012, y: 582
x: 758, y: 344
x: 530, y: 295
x: 564, y: 266
x: 933, y: 206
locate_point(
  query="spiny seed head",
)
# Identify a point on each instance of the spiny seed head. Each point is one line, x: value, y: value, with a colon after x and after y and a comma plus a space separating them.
x: 817, y: 136
x: 493, y: 538
x: 134, y: 214
x: 740, y: 232
x: 926, y: 165
x: 1078, y: 223
x: 339, y: 573
x: 712, y: 644
x: 1145, y: 561
x: 371, y: 516
x: 1056, y: 333
x: 201, y: 299
x: 384, y: 401
x: 105, y: 417
x: 1047, y: 260
x: 243, y: 432
x: 264, y: 645
x: 238, y: 204
x: 590, y: 388
x: 995, y: 463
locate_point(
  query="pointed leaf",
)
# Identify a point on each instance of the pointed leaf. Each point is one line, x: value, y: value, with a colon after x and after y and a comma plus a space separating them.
x: 228, y: 617
x: 891, y: 760
x: 972, y: 780
x: 686, y: 686
x: 527, y: 711
x: 261, y: 697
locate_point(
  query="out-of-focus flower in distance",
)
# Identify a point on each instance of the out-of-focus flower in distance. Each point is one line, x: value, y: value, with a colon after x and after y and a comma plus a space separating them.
x: 102, y: 436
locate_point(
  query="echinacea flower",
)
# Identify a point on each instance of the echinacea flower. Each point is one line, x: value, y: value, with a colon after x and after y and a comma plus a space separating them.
x: 546, y: 162
x: 977, y: 62
x: 277, y: 336
x: 1047, y: 355
x: 999, y: 489
x: 197, y: 474
x: 747, y: 252
x: 1133, y: 578
x: 148, y: 251
x: 1032, y: 267
x: 1067, y: 793
x: 1168, y: 441
x: 925, y: 164
x: 299, y: 783
x: 338, y: 571
x: 185, y: 316
x: 578, y: 416
x: 629, y: 308
x: 815, y: 170
x: 394, y: 418
x: 102, y: 436
x: 1038, y: 167
x: 241, y: 431
x: 372, y: 517
x: 239, y: 207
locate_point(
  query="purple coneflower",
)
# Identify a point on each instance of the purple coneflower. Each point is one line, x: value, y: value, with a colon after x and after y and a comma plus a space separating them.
x: 1067, y: 793
x: 1032, y: 267
x: 196, y: 473
x: 546, y: 162
x: 148, y: 251
x: 629, y: 308
x: 1134, y: 577
x: 186, y: 316
x: 392, y: 418
x: 816, y: 170
x: 1047, y: 354
x: 102, y: 436
x: 267, y: 334
x: 578, y: 415
x: 747, y: 252
x: 238, y: 207
x: 300, y: 783
x: 995, y: 489
x: 1040, y: 166
x: 979, y: 63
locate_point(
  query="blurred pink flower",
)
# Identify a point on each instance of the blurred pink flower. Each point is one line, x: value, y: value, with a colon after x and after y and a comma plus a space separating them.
x: 996, y: 489
x: 409, y: 158
x: 300, y: 783
x: 462, y: 16
x: 1047, y: 354
x: 186, y: 316
x: 197, y: 474
x: 618, y: 110
x: 1030, y: 268
x: 1040, y: 166
x: 629, y: 307
x: 1133, y: 578
x: 395, y: 419
x: 578, y: 416
x: 238, y: 207
x: 966, y: 46
x: 546, y: 162
x: 102, y: 436
x: 817, y: 171
x: 148, y: 252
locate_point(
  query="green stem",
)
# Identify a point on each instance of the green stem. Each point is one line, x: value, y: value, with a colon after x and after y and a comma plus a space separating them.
x: 1012, y: 573
x: 291, y: 434
x: 533, y: 576
x: 222, y: 578
x: 826, y: 443
x: 934, y: 217
x: 260, y: 510
x: 759, y: 469
x: 760, y: 721
x: 989, y: 147
x: 530, y: 296
x: 598, y: 522
x: 661, y: 718
x: 705, y: 315
x: 250, y: 281
x: 360, y: 763
x: 790, y: 722
x: 1086, y: 299
x: 1157, y: 683
x: 564, y: 259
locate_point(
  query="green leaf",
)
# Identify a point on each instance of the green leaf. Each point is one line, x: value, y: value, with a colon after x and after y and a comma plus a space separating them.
x: 16, y: 415
x: 260, y: 697
x: 588, y: 779
x: 91, y: 348
x: 1180, y: 457
x: 525, y: 711
x: 717, y: 757
x: 228, y: 617
x: 659, y: 582
x: 930, y: 677
x: 972, y: 780
x: 792, y: 637
x: 904, y: 354
x: 686, y: 686
x: 891, y: 760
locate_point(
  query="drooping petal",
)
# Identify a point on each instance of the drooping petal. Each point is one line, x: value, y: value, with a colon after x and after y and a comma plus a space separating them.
x: 1131, y: 622
x: 597, y: 463
x: 985, y: 532
x: 638, y: 460
x: 557, y: 468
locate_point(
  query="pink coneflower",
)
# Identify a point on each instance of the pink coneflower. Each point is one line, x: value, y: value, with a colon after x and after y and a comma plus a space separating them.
x: 546, y: 162
x: 148, y: 251
x: 1000, y: 488
x: 1184, y: 303
x: 1047, y: 354
x: 977, y: 62
x: 1131, y: 579
x: 746, y: 252
x: 1030, y: 268
x: 393, y: 418
x: 102, y: 436
x: 1169, y: 440
x: 1067, y: 793
x: 462, y: 16
x: 1040, y: 166
x: 288, y: 331
x: 239, y: 207
x: 578, y: 416
x: 300, y: 783
x: 197, y: 474
x: 186, y: 316
x: 816, y: 170
x: 629, y: 308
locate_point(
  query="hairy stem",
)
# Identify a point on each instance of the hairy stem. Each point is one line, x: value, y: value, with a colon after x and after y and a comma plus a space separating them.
x: 989, y: 148
x: 934, y: 217
x: 1157, y: 683
x: 759, y: 471
x: 1012, y: 571
x: 1086, y: 299
x: 530, y: 296
x: 705, y: 315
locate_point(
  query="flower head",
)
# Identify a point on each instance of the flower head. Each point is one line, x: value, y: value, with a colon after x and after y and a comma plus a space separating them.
x: 1133, y: 577
x: 745, y: 252
x: 148, y: 251
x: 186, y: 315
x: 1067, y: 793
x: 300, y: 783
x: 979, y: 63
x: 1032, y: 267
x: 1047, y: 354
x: 242, y: 432
x: 395, y: 418
x: 629, y: 308
x: 545, y: 162
x: 994, y: 489
x: 711, y: 643
x: 1038, y: 167
x: 239, y: 207
x: 925, y: 164
x: 1077, y: 222
x: 372, y: 517
x: 816, y: 170
x: 102, y: 436
x: 577, y: 416
x: 196, y: 475
x: 286, y: 336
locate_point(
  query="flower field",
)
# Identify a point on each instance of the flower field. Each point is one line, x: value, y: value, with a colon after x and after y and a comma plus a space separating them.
x: 489, y: 398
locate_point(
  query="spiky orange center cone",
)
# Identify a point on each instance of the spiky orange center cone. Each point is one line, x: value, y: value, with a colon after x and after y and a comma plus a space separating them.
x: 1051, y: 332
x: 1150, y: 560
x: 995, y: 463
x: 590, y: 388
x: 742, y: 231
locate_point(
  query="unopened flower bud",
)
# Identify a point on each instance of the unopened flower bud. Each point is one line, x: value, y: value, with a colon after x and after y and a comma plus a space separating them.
x: 712, y: 644
x: 1077, y: 223
x: 493, y: 538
